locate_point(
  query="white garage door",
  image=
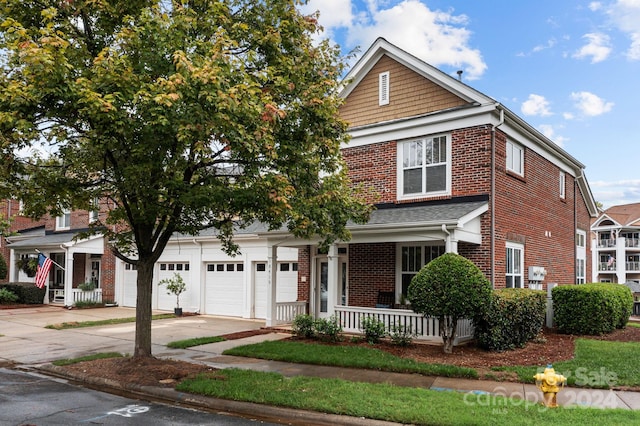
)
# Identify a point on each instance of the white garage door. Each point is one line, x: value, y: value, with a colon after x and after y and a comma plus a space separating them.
x: 286, y: 286
x: 166, y: 302
x: 224, y: 293
x: 129, y: 285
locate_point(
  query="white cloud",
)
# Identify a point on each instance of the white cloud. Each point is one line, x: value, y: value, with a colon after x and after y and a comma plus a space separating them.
x: 597, y: 47
x: 625, y: 15
x: 595, y: 6
x: 590, y: 104
x: 549, y: 131
x: 613, y: 193
x: 535, y: 105
x: 437, y: 37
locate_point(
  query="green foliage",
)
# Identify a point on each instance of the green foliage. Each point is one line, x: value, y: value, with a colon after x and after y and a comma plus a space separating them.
x: 514, y: 317
x: 186, y: 117
x: 591, y: 309
x: 27, y: 293
x: 175, y: 286
x: 449, y: 288
x: 328, y: 329
x: 373, y: 329
x: 87, y: 304
x: 7, y: 296
x: 86, y: 286
x: 196, y: 341
x: 303, y: 326
x: 402, y: 335
x: 3, y: 267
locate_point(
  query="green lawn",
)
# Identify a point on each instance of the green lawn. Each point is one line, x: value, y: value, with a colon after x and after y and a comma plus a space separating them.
x: 392, y: 403
x: 66, y: 325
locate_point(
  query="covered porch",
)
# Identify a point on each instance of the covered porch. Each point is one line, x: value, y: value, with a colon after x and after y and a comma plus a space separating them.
x: 75, y: 261
x: 348, y: 280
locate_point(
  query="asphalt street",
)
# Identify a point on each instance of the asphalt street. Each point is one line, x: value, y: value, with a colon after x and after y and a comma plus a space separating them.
x: 32, y: 399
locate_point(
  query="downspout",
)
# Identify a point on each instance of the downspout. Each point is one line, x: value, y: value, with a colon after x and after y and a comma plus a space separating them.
x: 493, y: 196
x: 201, y: 296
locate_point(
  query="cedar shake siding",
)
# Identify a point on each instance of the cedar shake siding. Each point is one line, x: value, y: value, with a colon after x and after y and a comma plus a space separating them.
x: 409, y: 95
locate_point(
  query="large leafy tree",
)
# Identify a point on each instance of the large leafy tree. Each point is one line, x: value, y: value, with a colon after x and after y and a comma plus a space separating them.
x: 183, y: 115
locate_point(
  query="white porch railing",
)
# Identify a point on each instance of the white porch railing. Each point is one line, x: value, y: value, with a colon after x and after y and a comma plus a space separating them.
x: 87, y: 296
x: 287, y: 311
x: 426, y: 328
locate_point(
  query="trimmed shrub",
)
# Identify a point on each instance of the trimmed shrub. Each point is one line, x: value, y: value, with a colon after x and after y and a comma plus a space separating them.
x: 449, y: 288
x: 7, y: 297
x: 328, y: 330
x: 515, y: 316
x: 303, y: 326
x: 591, y: 309
x: 402, y: 335
x: 373, y: 329
x: 27, y: 293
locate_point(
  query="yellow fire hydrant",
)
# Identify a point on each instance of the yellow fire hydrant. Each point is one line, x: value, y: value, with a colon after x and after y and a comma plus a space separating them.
x: 550, y: 383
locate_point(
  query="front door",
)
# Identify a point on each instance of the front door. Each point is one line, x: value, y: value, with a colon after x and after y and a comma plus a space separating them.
x: 322, y: 287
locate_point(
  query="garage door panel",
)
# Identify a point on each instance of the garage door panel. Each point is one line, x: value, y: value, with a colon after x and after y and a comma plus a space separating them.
x: 225, y: 289
x: 286, y: 288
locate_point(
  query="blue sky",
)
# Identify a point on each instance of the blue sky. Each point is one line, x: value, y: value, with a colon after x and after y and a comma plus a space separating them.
x: 570, y: 68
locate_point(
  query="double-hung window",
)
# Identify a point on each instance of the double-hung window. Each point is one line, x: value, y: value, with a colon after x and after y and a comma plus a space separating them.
x: 515, y: 158
x: 63, y: 221
x: 515, y: 265
x: 581, y: 256
x: 424, y: 166
x: 412, y: 259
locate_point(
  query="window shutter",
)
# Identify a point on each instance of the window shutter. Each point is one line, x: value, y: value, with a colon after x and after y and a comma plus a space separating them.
x: 383, y: 88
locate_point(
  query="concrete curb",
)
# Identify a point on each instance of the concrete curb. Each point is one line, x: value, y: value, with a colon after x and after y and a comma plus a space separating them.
x: 246, y: 409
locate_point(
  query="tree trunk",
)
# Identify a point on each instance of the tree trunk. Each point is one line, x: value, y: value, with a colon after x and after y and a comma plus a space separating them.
x: 448, y: 326
x: 143, y: 309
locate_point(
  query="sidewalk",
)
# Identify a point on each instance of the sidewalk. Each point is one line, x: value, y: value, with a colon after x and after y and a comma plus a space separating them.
x: 27, y: 342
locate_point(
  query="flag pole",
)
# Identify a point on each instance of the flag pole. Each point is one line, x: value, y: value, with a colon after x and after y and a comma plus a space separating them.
x: 55, y: 263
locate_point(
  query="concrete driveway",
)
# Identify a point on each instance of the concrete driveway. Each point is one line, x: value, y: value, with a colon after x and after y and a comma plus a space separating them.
x: 24, y: 340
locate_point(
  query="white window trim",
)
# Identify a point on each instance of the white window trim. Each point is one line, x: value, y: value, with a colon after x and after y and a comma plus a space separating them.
x: 400, y: 169
x: 516, y: 246
x: 510, y: 147
x: 60, y: 220
x: 383, y: 88
x: 581, y: 255
x: 562, y: 181
x: 399, y: 247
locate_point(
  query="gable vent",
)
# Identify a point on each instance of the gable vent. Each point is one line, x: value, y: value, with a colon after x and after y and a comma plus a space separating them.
x: 383, y: 88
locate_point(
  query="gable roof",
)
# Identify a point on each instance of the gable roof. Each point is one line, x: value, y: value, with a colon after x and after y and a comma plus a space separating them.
x: 479, y: 109
x: 621, y: 215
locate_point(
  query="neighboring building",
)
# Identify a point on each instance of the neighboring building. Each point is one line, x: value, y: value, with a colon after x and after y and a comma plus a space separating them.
x: 450, y: 170
x: 616, y: 253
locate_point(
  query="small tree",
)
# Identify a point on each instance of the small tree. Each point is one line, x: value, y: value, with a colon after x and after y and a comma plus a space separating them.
x: 3, y: 268
x: 175, y: 286
x: 450, y: 288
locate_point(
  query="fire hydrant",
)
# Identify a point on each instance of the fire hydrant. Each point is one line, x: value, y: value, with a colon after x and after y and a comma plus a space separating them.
x: 550, y: 383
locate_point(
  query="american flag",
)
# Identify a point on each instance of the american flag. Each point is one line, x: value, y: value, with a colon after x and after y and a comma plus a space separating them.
x: 42, y: 274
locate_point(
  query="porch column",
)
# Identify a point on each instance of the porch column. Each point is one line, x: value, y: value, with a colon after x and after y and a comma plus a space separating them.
x: 68, y: 277
x: 333, y: 279
x: 272, y: 265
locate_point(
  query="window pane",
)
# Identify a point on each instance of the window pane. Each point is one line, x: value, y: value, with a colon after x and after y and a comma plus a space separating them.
x: 436, y: 178
x: 284, y: 267
x: 430, y: 152
x: 443, y: 149
x: 412, y: 181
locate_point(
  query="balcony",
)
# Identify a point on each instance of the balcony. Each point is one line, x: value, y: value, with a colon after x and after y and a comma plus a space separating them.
x: 607, y: 267
x: 632, y: 266
x: 606, y: 243
x: 632, y: 242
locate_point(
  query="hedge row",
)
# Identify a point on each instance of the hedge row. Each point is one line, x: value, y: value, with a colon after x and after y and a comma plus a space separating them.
x: 27, y: 293
x: 515, y: 316
x: 591, y: 309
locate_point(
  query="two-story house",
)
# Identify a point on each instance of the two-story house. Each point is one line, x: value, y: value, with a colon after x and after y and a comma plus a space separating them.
x: 449, y: 170
x: 616, y: 245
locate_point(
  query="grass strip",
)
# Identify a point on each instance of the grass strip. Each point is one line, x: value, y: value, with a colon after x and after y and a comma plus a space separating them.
x: 597, y: 364
x: 345, y: 356
x: 197, y: 341
x: 392, y: 403
x: 75, y: 324
x: 103, y: 355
